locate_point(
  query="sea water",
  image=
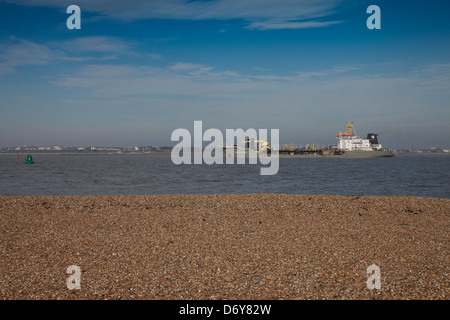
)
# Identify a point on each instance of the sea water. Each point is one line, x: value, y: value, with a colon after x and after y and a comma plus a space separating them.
x: 424, y: 175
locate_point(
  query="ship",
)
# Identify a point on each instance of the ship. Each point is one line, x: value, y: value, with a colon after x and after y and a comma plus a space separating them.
x: 349, y: 146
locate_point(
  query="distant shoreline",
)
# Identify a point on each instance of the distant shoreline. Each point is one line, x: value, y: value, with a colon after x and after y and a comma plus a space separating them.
x: 8, y: 153
x: 421, y: 153
x: 81, y: 153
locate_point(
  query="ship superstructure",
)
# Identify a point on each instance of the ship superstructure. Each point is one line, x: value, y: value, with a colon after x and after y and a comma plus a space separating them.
x: 349, y: 141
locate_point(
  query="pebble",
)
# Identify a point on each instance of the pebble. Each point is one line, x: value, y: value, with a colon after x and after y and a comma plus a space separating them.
x: 255, y: 246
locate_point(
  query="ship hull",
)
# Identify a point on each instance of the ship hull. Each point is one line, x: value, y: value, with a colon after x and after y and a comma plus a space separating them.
x: 312, y: 155
x: 344, y: 155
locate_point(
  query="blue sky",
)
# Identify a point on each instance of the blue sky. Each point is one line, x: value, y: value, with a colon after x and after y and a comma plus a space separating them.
x: 137, y: 70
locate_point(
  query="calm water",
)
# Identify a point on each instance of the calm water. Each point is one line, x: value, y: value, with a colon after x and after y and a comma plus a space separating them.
x: 142, y: 174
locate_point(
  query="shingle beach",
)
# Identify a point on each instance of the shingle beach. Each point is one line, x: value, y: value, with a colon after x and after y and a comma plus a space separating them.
x: 262, y: 246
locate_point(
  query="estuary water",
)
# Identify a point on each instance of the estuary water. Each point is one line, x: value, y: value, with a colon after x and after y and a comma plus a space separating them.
x: 424, y: 175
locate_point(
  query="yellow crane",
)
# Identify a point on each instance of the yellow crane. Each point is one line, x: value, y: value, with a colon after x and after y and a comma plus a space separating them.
x: 260, y: 144
x: 350, y: 128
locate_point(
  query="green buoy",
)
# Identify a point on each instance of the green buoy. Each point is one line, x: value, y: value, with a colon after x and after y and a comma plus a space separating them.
x: 29, y: 159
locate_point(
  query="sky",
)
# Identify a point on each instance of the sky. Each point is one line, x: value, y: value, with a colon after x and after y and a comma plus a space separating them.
x: 137, y: 70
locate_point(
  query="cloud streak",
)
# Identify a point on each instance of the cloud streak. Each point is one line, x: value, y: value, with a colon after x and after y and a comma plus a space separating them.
x: 95, y: 44
x: 17, y: 52
x: 259, y: 14
x: 272, y: 25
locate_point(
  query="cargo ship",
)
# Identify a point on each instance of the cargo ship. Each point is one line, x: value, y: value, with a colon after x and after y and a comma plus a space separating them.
x: 349, y: 146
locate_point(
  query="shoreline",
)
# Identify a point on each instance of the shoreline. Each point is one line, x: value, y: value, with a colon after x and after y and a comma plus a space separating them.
x: 241, y: 247
x: 169, y: 152
x: 79, y: 153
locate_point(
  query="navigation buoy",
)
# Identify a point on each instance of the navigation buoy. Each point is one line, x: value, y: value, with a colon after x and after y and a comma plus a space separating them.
x: 29, y: 159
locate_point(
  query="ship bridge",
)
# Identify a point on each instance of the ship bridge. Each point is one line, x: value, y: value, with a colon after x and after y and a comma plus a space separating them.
x: 349, y: 141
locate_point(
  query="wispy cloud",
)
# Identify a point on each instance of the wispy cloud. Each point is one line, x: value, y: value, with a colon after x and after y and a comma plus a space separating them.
x: 19, y: 52
x: 188, y: 66
x: 182, y: 78
x: 266, y: 99
x: 192, y: 69
x: 260, y: 15
x: 16, y: 52
x: 164, y: 40
x: 95, y: 44
x: 154, y: 56
x: 274, y: 25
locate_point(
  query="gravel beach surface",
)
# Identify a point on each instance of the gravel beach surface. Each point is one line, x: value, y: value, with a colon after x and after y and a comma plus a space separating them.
x: 261, y: 246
